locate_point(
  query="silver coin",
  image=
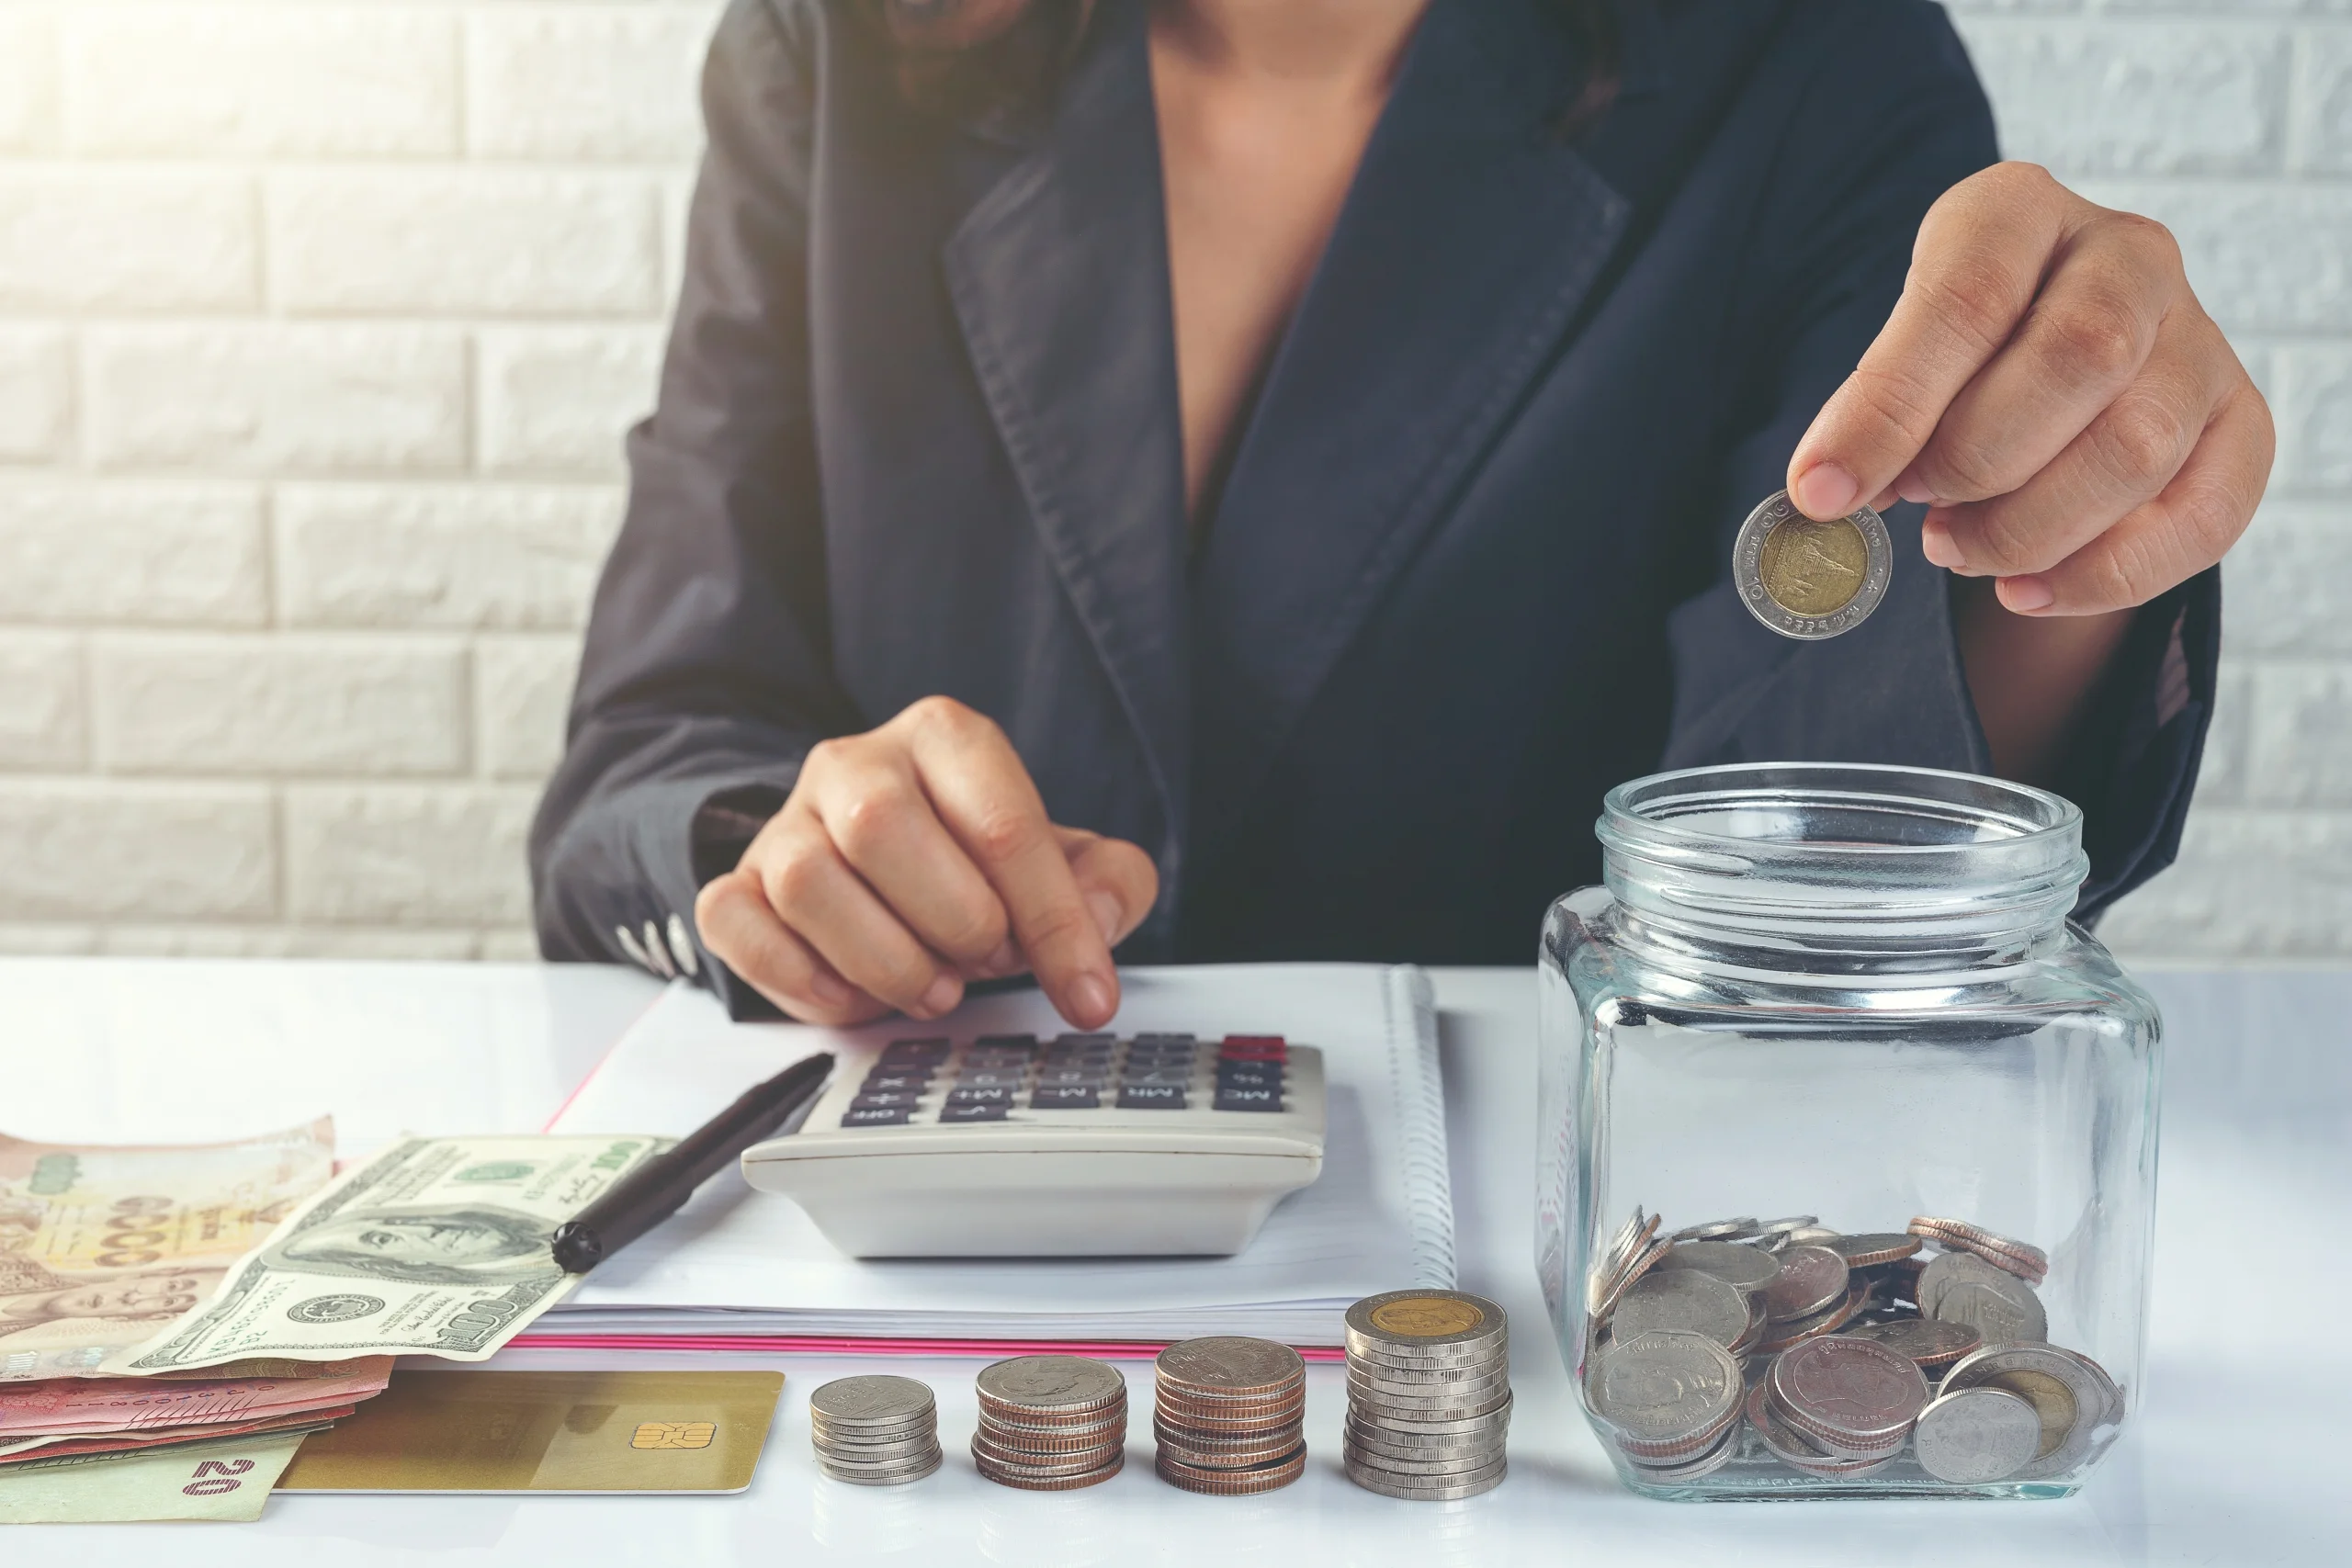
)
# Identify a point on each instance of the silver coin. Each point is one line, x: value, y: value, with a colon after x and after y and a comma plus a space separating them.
x: 1392, y: 1423
x: 876, y: 1400
x: 2070, y: 1399
x: 1407, y: 1454
x: 1664, y: 1387
x: 921, y: 1453
x: 1687, y: 1300
x: 1811, y: 1279
x: 1716, y: 1230
x: 1962, y: 1288
x: 898, y: 1448
x: 883, y: 1478
x: 1706, y: 1463
x: 1809, y: 579
x: 1422, y: 1376
x: 1053, y: 1383
x: 1231, y: 1364
x: 1734, y: 1263
x: 1855, y: 1393
x: 1972, y: 1436
x: 1483, y: 1399
x: 1447, y: 1491
x: 1928, y: 1341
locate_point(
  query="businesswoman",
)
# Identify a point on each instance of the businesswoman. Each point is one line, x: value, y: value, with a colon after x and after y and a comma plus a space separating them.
x: 1239, y: 478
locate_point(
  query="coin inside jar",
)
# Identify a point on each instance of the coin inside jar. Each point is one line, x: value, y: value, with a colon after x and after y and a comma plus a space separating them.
x: 1809, y: 1279
x: 1687, y: 1300
x: 1809, y: 578
x: 1734, y: 1263
x: 1972, y: 1436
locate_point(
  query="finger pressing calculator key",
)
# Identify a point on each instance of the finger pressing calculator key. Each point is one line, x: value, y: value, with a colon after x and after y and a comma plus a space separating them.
x: 1003, y: 1145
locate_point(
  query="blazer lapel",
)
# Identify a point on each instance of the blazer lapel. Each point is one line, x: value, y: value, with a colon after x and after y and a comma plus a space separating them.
x: 1060, y: 277
x: 1469, y: 240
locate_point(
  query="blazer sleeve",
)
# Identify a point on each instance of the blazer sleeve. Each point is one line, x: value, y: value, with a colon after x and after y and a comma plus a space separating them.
x: 705, y: 675
x: 1891, y: 120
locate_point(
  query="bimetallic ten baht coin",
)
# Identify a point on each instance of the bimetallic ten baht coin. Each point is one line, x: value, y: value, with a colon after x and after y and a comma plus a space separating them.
x: 1810, y: 579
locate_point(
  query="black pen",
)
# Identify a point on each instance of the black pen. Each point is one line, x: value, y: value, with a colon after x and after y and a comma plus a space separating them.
x: 660, y: 1187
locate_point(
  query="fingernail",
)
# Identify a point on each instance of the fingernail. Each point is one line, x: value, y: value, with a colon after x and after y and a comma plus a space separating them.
x: 1824, y: 490
x: 944, y: 993
x: 1090, y: 995
x: 1935, y: 543
x: 1912, y: 488
x: 2026, y: 595
x: 829, y: 991
x: 1107, y: 914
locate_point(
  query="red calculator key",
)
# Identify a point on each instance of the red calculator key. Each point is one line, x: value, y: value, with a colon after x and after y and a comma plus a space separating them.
x: 1254, y: 1048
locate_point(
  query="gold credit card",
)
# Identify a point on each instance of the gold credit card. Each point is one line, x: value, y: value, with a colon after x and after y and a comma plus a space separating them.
x: 482, y: 1431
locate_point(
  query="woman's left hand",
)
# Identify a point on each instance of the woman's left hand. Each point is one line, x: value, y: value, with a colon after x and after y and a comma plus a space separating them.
x: 2050, y: 385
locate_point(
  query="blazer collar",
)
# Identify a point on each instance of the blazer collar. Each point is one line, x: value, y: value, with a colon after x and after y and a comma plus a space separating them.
x: 1060, y: 277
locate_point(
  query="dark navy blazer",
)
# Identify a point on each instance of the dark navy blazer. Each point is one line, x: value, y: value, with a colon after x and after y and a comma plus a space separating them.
x: 917, y: 432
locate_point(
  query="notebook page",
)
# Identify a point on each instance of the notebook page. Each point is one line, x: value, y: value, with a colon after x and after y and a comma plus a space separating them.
x: 1378, y: 1218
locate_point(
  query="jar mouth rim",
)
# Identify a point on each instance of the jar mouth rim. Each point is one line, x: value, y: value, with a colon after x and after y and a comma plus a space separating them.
x: 1999, y: 814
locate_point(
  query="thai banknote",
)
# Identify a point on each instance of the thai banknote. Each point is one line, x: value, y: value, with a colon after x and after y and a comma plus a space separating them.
x: 436, y: 1246
x: 228, y: 1480
x: 64, y: 1407
x: 101, y: 1246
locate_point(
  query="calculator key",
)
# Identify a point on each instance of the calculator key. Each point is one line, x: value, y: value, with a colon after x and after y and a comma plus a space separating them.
x: 992, y: 1112
x: 886, y: 1099
x: 993, y: 1077
x: 877, y: 1081
x: 916, y: 1050
x: 1252, y: 1075
x: 876, y: 1116
x: 1179, y: 1077
x: 979, y: 1063
x: 1005, y: 1041
x: 1065, y: 1096
x: 1073, y: 1078
x: 1249, y: 1098
x: 1152, y: 1097
x: 980, y: 1094
x: 1083, y: 1042
x: 1254, y: 1048
x: 1186, y: 1039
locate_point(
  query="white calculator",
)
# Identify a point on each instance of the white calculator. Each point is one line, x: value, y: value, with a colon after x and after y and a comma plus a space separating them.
x: 1086, y: 1144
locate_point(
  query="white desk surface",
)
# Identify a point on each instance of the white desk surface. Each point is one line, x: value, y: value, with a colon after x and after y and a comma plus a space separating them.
x: 2237, y: 1459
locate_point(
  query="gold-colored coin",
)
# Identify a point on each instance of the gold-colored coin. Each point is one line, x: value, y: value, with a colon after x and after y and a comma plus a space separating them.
x: 1810, y: 578
x: 1427, y: 1317
x: 1815, y: 569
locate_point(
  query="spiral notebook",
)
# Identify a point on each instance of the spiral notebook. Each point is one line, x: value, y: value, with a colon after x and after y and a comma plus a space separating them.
x: 738, y: 1268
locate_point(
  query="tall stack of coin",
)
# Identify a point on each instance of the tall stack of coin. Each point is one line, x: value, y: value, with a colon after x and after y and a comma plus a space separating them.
x: 1051, y: 1422
x: 1428, y: 1394
x: 875, y: 1431
x: 1229, y: 1415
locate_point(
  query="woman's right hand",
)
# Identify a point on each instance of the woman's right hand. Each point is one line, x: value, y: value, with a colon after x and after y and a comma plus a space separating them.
x: 911, y: 859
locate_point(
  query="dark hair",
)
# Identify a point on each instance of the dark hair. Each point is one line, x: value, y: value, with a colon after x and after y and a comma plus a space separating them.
x: 965, y: 56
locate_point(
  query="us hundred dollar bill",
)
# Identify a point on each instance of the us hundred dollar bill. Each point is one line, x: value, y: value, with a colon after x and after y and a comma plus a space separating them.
x: 437, y: 1246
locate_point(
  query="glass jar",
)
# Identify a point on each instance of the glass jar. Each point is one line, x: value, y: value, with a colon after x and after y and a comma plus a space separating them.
x: 1898, y: 1115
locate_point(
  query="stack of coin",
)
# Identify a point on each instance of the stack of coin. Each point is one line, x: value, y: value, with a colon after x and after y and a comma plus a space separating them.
x: 1840, y: 1339
x: 1229, y: 1415
x: 1672, y: 1400
x: 1051, y: 1422
x: 1838, y: 1405
x: 875, y: 1431
x: 1428, y: 1394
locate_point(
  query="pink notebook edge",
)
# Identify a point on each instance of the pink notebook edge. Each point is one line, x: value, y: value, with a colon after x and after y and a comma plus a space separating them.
x: 825, y: 1345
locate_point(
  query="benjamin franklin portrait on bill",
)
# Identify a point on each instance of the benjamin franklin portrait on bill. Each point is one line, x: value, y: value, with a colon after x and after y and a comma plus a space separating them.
x: 474, y: 1245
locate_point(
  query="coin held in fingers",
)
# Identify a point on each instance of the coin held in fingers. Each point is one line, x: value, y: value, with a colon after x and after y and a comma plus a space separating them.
x: 1808, y: 579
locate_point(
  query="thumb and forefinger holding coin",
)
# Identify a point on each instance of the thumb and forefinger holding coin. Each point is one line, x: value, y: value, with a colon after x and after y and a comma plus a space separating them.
x: 2049, y: 383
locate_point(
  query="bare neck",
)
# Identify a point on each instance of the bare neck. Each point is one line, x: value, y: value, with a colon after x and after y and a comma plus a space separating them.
x: 1343, y: 45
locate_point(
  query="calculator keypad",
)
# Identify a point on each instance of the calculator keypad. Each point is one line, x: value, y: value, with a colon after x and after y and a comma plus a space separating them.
x: 928, y: 1079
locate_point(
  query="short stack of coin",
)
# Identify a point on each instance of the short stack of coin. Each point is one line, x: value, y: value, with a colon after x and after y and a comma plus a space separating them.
x: 875, y: 1431
x: 1429, y: 1394
x: 1838, y: 1405
x: 1228, y: 1414
x: 1051, y: 1422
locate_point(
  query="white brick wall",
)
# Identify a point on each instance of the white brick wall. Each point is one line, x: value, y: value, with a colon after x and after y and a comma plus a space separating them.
x: 319, y: 321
